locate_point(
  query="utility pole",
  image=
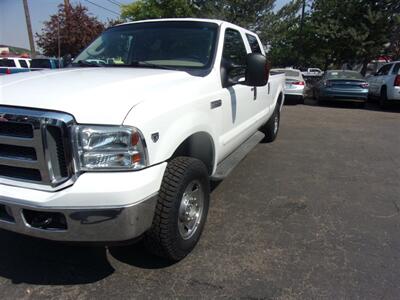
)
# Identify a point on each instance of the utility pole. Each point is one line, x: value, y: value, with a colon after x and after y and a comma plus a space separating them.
x: 303, y: 10
x: 29, y: 27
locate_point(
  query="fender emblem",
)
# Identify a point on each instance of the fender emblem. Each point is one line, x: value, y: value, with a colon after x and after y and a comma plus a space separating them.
x: 155, y: 137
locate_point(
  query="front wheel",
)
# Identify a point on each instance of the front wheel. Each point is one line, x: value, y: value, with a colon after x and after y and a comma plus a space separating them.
x: 271, y: 128
x: 181, y: 210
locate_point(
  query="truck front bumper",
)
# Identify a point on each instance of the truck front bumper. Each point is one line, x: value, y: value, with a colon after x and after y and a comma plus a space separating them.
x: 99, y: 207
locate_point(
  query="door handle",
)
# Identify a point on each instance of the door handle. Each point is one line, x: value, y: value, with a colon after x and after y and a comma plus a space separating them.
x: 254, y: 89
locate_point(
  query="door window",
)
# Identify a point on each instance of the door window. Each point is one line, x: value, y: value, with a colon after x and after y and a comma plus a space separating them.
x: 254, y: 45
x: 384, y: 70
x: 235, y: 51
x: 23, y: 63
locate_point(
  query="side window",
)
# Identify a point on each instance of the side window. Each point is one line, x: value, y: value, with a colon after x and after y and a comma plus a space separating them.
x: 396, y: 69
x: 254, y: 45
x: 235, y: 51
x: 7, y: 63
x: 22, y: 63
x: 384, y: 70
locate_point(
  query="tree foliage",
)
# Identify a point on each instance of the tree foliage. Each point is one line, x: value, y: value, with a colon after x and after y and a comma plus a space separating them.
x: 154, y: 9
x: 75, y: 28
x: 354, y: 30
x: 335, y: 32
x: 249, y: 13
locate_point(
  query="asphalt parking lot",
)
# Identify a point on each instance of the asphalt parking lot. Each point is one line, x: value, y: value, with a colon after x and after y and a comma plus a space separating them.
x: 314, y: 215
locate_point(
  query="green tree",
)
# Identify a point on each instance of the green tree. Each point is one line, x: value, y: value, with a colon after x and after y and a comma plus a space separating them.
x: 154, y: 9
x: 354, y: 30
x: 73, y: 27
x: 247, y: 13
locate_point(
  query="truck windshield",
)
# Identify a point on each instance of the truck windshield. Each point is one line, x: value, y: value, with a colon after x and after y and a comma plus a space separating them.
x: 170, y: 44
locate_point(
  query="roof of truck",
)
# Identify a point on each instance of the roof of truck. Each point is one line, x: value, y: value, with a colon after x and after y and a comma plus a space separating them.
x: 218, y: 22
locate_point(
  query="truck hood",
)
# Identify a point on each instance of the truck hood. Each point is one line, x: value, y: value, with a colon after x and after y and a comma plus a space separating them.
x: 91, y: 95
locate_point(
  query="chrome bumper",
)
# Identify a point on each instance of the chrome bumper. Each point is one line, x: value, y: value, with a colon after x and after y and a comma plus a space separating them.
x: 97, y: 224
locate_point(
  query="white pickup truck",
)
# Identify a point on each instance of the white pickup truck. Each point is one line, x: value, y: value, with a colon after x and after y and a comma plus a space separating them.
x: 385, y: 84
x: 124, y: 150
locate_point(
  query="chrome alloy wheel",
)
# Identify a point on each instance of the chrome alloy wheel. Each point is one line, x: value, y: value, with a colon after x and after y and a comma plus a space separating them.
x: 191, y: 210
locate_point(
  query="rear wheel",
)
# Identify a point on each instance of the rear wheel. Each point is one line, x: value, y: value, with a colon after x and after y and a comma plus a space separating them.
x: 271, y: 128
x: 181, y: 209
x: 383, y: 98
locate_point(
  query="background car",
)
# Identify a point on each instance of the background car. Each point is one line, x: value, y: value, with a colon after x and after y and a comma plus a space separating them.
x: 342, y: 85
x: 45, y: 63
x: 294, y: 83
x: 313, y: 72
x: 385, y: 84
x: 11, y: 65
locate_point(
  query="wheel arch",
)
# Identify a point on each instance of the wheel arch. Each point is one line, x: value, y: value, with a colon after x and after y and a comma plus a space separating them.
x: 198, y: 145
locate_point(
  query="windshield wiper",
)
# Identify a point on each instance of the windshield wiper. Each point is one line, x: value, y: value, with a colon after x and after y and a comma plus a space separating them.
x: 140, y: 63
x: 84, y: 63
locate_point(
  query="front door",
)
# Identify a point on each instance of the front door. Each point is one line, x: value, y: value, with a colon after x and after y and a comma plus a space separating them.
x: 239, y: 101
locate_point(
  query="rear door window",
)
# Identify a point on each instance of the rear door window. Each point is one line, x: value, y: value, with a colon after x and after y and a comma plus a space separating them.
x: 396, y: 69
x: 23, y: 63
x: 254, y: 45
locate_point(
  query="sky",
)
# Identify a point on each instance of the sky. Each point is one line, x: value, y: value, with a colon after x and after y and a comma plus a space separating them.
x: 13, y: 30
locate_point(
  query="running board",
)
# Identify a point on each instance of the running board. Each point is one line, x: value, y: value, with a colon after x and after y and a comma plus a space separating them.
x: 229, y: 163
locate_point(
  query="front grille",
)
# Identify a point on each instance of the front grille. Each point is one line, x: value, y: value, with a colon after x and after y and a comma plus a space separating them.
x: 35, y: 147
x: 17, y: 152
x: 22, y: 130
x: 20, y: 173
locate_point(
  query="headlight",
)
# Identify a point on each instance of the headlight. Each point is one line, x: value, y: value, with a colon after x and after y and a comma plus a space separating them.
x: 102, y: 148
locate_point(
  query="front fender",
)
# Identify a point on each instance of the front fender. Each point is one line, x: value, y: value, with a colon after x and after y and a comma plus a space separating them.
x: 172, y: 129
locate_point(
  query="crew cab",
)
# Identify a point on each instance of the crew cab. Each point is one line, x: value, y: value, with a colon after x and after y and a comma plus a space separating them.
x: 385, y: 84
x: 126, y: 149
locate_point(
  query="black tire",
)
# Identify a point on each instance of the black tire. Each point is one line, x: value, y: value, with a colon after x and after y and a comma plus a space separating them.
x: 362, y: 104
x: 320, y: 101
x: 300, y: 100
x: 271, y: 128
x: 164, y: 238
x: 383, y: 98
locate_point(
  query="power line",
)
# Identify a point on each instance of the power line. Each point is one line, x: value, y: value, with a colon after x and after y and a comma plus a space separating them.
x: 119, y: 3
x: 114, y: 2
x: 109, y: 10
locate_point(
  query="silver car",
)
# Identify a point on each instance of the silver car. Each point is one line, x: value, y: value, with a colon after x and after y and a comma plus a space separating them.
x: 294, y: 85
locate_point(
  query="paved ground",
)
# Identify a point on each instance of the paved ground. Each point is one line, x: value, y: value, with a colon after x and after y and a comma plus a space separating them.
x: 314, y: 215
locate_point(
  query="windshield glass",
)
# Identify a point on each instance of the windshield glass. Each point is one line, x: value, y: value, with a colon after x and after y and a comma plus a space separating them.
x: 344, y: 75
x: 177, y: 44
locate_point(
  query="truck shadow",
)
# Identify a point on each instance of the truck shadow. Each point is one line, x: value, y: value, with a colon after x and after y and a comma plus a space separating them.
x: 136, y: 254
x: 33, y: 261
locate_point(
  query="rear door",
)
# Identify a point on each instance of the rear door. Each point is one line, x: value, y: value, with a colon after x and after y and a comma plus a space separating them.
x: 262, y: 95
